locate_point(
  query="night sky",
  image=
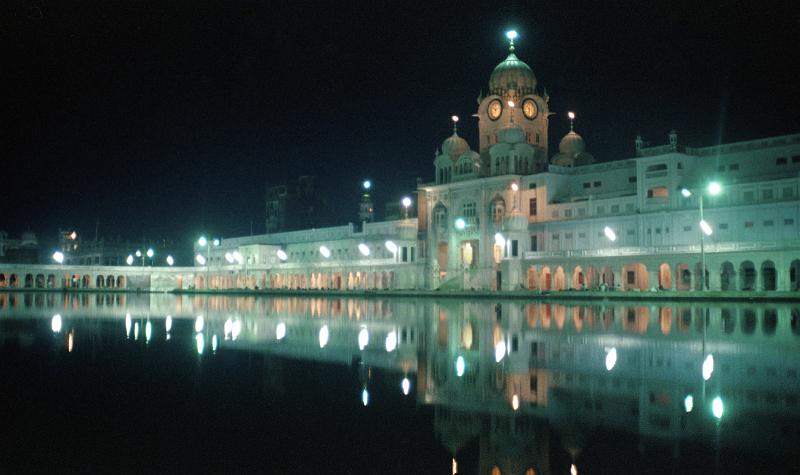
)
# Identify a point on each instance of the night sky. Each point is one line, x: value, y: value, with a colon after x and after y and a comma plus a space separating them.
x: 169, y: 119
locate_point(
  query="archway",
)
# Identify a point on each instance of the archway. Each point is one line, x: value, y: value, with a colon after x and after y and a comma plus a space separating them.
x: 634, y: 276
x: 684, y: 281
x: 99, y: 282
x: 533, y: 278
x: 747, y: 276
x: 592, y: 277
x: 3, y: 280
x: 121, y: 282
x: 86, y: 282
x: 727, y: 276
x: 664, y: 277
x: 768, y: 275
x: 28, y: 281
x: 40, y: 281
x: 701, y: 279
x: 51, y: 281
x: 794, y: 275
x: 608, y: 277
x: 578, y: 279
x: 559, y: 280
x: 545, y: 279
x: 13, y: 281
x: 110, y: 282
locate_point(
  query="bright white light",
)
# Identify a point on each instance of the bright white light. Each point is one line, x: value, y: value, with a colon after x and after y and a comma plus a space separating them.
x: 168, y: 323
x: 214, y: 343
x: 571, y: 115
x: 406, y: 202
x: 573, y: 470
x: 199, y: 323
x: 406, y: 385
x: 714, y: 188
x: 170, y: 260
x: 499, y: 240
x: 611, y: 359
x: 55, y: 323
x: 514, y: 187
x: 129, y: 260
x: 148, y: 331
x: 685, y: 192
x: 460, y: 223
x: 610, y: 234
x: 363, y: 338
x: 238, y: 257
x: 688, y: 403
x: 511, y: 35
x: 454, y: 118
x: 367, y: 184
x: 150, y: 253
x: 70, y: 341
x: 58, y: 256
x: 510, y: 103
x: 515, y: 402
x: 454, y: 466
x: 229, y: 257
x: 717, y: 407
x: 499, y: 351
x: 202, y: 241
x: 460, y: 366
x: 200, y: 342
x: 280, y: 331
x: 708, y: 367
x: 200, y: 259
x: 128, y: 325
x: 323, y: 336
x: 326, y: 253
x: 215, y: 242
x: 391, y: 341
x: 138, y: 253
x: 136, y: 331
x: 282, y: 255
x: 226, y: 328
x: 705, y: 227
x: 391, y: 246
x: 365, y: 397
x: 363, y: 249
x: 236, y: 329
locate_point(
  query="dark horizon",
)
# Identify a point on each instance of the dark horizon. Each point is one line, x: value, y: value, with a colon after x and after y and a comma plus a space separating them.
x: 169, y: 121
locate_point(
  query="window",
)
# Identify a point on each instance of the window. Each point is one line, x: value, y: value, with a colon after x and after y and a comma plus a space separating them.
x: 629, y: 232
x: 601, y: 210
x: 767, y: 194
x: 531, y: 186
x: 631, y: 277
x: 412, y: 253
x: 587, y: 185
x: 768, y: 223
x: 597, y: 184
x: 781, y: 161
x: 649, y: 231
x: 748, y: 224
x: 658, y: 192
x: 533, y: 243
x: 615, y: 208
x: 567, y: 213
x: 568, y: 236
x: 658, y: 230
x: 537, y: 138
x: 581, y: 235
x: 469, y: 210
x: 555, y: 237
x: 788, y: 221
x: 733, y: 166
x: 723, y: 225
x: 514, y: 248
x: 631, y: 179
x: 532, y: 207
x: 404, y: 253
x: 687, y: 228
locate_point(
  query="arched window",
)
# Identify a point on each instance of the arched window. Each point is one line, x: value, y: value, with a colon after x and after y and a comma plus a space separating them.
x: 498, y: 209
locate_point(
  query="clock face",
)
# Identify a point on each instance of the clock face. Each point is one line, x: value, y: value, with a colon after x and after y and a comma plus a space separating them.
x: 495, y: 109
x: 529, y: 109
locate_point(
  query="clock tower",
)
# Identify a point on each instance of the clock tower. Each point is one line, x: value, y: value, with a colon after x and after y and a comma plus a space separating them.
x: 513, y: 103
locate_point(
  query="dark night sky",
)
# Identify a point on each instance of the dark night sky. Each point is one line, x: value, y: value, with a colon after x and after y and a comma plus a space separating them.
x: 168, y: 119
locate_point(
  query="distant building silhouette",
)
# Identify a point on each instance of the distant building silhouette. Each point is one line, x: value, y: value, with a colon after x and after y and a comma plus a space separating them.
x: 292, y: 206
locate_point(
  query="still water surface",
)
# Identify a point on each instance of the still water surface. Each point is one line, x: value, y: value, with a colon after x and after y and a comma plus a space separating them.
x: 162, y: 383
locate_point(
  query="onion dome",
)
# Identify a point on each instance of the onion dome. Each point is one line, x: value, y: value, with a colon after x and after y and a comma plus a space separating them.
x: 454, y: 145
x: 512, y: 73
x: 571, y: 144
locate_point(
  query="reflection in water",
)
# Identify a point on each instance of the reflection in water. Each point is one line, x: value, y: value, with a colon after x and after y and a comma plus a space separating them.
x: 518, y: 382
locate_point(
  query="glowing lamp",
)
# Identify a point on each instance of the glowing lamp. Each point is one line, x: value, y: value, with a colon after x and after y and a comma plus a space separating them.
x: 460, y: 223
x: 717, y: 408
x: 282, y: 255
x: 705, y: 227
x: 460, y: 366
x: 55, y: 323
x: 202, y: 241
x: 708, y: 367
x: 199, y: 258
x: 170, y: 261
x: 280, y: 331
x: 714, y: 188
x: 406, y: 202
x: 58, y: 256
x: 326, y: 253
x: 611, y: 359
x: 406, y: 386
x: 363, y: 249
x: 571, y: 115
x: 610, y: 234
x: 324, y: 334
x: 499, y: 351
x: 391, y: 341
x: 150, y: 252
x: 367, y: 184
x: 199, y: 323
x: 229, y: 257
x: 391, y: 246
x: 363, y: 338
x: 129, y: 260
x: 511, y: 35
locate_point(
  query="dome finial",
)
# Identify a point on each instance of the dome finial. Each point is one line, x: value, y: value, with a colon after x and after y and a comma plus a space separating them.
x: 455, y: 124
x: 511, y: 35
x: 571, y: 116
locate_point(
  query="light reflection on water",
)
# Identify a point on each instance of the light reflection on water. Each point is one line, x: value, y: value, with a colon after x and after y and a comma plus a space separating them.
x: 503, y: 373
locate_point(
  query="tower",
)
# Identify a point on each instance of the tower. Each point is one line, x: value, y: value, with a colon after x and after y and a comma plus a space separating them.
x: 513, y: 103
x: 366, y: 208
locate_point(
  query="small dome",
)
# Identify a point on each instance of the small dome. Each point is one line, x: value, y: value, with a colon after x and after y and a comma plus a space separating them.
x: 454, y: 145
x: 571, y: 144
x: 28, y: 237
x: 512, y: 74
x: 511, y: 134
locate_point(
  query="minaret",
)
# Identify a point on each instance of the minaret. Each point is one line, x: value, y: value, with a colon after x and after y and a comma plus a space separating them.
x: 366, y: 209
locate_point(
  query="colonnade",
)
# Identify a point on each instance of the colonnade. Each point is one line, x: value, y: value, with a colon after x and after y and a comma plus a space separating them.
x: 15, y: 280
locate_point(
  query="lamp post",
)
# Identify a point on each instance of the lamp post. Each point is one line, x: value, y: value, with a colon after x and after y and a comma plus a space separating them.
x: 406, y: 202
x: 203, y: 242
x: 712, y: 189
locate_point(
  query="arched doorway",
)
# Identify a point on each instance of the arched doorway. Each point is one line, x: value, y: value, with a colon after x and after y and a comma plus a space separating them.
x: 747, y: 276
x: 121, y: 282
x: 794, y: 275
x: 727, y: 276
x: 532, y: 278
x: 28, y: 281
x: 684, y: 281
x: 768, y: 275
x: 664, y: 277
x: 578, y: 279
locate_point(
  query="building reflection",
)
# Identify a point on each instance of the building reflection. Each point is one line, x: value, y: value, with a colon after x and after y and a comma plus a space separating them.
x: 509, y: 379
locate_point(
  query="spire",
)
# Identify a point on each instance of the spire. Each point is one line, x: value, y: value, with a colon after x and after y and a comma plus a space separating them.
x: 511, y: 35
x: 571, y: 116
x: 455, y: 124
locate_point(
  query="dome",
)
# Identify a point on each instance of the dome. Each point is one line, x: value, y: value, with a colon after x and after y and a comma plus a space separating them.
x: 512, y: 74
x: 28, y: 238
x: 571, y: 144
x: 512, y: 134
x: 454, y: 145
